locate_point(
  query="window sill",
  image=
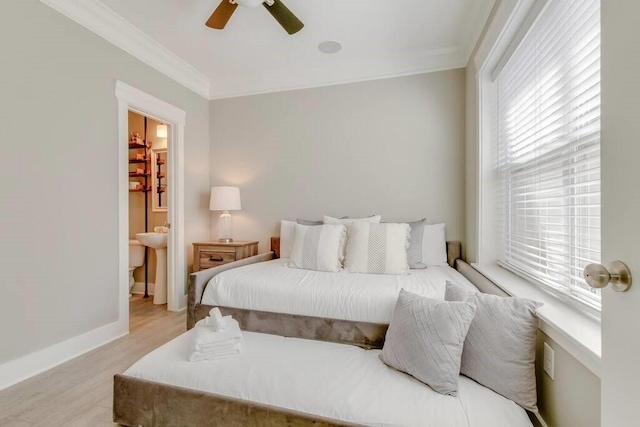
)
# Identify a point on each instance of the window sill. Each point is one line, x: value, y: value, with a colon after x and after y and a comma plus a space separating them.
x: 576, y: 331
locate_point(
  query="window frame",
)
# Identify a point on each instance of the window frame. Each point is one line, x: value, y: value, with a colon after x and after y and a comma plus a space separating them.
x: 511, y: 23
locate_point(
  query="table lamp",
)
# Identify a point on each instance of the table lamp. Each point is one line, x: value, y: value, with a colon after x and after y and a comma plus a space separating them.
x: 225, y: 199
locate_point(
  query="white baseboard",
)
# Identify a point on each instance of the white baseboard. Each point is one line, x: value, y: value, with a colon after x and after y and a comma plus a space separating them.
x: 18, y: 370
x: 138, y: 288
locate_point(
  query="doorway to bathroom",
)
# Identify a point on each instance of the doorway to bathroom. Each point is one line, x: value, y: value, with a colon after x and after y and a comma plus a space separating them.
x: 151, y: 180
x: 149, y: 187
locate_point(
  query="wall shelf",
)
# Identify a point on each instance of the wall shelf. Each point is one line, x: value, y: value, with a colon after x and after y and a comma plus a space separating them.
x: 132, y: 161
x: 141, y: 188
x: 139, y: 145
x: 142, y: 157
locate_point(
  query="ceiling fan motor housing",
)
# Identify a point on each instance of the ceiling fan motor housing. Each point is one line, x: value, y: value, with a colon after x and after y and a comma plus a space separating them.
x: 252, y: 3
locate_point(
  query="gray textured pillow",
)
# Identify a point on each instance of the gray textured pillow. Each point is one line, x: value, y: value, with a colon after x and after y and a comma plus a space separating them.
x: 425, y: 339
x: 414, y: 253
x: 312, y: 222
x: 500, y: 348
x: 308, y: 222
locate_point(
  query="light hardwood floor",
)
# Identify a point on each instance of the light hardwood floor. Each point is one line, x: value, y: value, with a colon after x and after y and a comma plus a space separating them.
x: 79, y: 392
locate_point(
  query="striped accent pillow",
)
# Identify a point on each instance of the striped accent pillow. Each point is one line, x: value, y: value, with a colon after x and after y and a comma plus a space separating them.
x: 377, y: 248
x: 425, y: 339
x: 318, y: 247
x: 500, y: 348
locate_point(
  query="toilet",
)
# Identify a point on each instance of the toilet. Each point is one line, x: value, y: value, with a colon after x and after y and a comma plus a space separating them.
x: 136, y: 259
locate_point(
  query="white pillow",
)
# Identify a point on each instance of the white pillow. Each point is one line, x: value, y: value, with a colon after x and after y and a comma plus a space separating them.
x: 287, y: 231
x: 331, y: 220
x: 434, y: 245
x: 318, y: 247
x: 377, y: 248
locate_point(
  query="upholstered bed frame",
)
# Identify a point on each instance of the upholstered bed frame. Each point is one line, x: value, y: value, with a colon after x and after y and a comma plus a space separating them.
x: 138, y: 402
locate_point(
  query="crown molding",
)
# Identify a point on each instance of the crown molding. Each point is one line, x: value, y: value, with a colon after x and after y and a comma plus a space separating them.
x: 99, y: 19
x: 354, y: 70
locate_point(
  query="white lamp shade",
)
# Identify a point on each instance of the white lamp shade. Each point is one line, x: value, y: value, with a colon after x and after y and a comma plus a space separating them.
x: 225, y: 199
x: 161, y: 131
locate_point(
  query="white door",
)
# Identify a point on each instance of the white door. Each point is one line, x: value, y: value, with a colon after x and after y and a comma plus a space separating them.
x: 621, y: 209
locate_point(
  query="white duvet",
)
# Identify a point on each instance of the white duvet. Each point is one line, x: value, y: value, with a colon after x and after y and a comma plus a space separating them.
x: 272, y: 286
x: 330, y: 380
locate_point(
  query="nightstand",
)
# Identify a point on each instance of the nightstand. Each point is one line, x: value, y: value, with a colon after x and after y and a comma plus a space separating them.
x: 213, y: 254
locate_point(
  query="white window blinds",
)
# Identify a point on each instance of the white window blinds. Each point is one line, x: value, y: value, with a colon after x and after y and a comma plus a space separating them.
x: 548, y: 149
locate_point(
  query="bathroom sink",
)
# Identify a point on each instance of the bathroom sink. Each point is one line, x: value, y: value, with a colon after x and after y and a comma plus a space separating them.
x: 157, y: 241
x: 153, y: 240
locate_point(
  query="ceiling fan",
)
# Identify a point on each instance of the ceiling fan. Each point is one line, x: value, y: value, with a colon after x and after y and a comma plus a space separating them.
x: 280, y: 12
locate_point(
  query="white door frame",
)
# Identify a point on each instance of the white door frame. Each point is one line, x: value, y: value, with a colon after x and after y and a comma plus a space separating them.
x: 132, y: 99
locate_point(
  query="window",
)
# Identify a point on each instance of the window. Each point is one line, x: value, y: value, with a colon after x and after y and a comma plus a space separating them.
x: 547, y: 159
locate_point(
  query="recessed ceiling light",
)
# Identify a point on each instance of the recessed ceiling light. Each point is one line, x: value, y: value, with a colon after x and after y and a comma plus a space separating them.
x: 329, y: 46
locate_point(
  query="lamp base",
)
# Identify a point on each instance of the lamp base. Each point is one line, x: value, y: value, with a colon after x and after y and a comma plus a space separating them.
x: 226, y: 225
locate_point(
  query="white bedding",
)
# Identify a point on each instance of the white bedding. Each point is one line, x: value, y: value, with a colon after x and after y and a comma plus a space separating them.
x: 272, y: 286
x: 336, y: 381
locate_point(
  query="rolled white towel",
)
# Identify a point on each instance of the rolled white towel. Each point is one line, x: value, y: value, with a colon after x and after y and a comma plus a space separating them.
x: 220, y: 325
x: 215, y: 313
x: 216, y: 321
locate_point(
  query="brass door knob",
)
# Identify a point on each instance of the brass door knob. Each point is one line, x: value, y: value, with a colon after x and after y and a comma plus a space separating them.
x: 618, y: 274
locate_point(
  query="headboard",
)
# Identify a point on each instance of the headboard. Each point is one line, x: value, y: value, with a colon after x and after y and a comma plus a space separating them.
x: 454, y: 250
x: 275, y: 246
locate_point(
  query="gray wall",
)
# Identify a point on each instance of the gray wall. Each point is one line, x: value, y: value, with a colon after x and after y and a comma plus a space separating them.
x: 572, y: 398
x: 59, y: 174
x: 393, y: 147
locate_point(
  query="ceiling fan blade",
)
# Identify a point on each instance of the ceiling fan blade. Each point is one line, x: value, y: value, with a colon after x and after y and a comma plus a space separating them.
x: 285, y: 17
x: 221, y: 15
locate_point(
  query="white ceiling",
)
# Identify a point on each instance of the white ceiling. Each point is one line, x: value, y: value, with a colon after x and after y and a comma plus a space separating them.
x: 253, y: 54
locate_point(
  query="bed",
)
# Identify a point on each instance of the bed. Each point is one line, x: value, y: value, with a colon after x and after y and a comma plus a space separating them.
x: 301, y: 348
x: 345, y: 384
x: 365, y: 328
x: 370, y: 298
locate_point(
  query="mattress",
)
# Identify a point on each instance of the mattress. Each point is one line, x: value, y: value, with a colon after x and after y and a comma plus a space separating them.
x: 336, y: 381
x: 272, y: 286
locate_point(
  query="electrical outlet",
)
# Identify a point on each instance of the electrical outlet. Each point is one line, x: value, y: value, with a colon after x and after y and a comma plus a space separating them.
x: 548, y: 362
